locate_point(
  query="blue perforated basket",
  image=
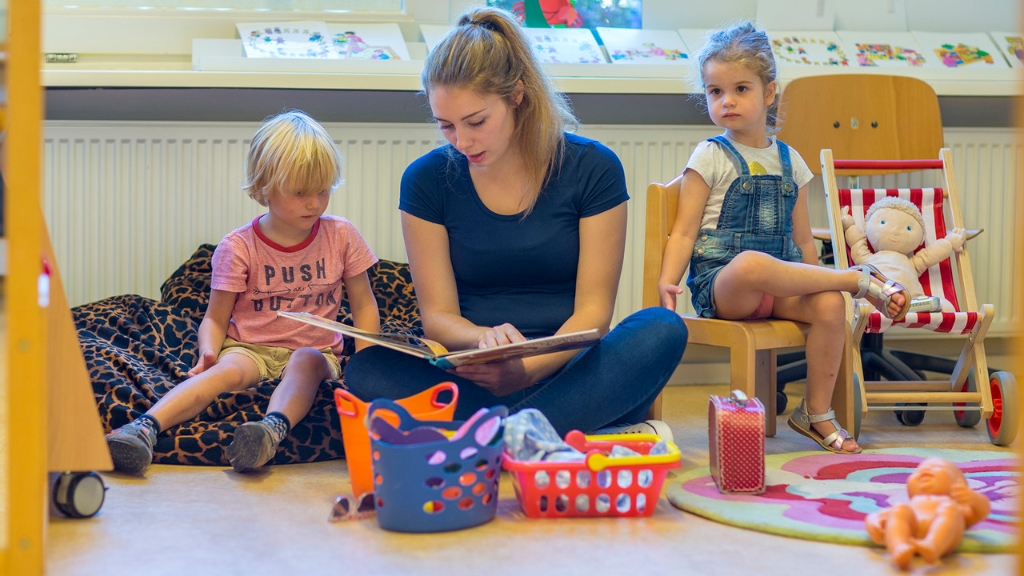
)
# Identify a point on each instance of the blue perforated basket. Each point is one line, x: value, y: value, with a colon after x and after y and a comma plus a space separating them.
x: 441, y: 485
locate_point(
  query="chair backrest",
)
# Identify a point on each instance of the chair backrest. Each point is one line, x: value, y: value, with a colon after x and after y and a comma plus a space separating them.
x: 662, y: 204
x: 860, y: 116
x: 936, y: 280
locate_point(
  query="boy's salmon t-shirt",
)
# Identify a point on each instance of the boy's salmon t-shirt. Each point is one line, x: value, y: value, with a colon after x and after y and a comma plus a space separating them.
x: 307, y: 277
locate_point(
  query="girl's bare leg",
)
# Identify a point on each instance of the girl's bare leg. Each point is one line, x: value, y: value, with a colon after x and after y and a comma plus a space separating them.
x: 825, y: 312
x: 751, y: 274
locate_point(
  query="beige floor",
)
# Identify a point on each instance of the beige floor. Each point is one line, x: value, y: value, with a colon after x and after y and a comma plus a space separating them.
x: 201, y: 520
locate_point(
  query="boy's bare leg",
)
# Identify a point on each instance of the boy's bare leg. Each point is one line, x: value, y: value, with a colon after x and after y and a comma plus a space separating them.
x: 301, y: 378
x: 189, y: 398
x: 131, y: 446
x: 255, y: 443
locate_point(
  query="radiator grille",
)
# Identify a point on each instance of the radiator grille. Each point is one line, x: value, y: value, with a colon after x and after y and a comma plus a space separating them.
x: 127, y: 202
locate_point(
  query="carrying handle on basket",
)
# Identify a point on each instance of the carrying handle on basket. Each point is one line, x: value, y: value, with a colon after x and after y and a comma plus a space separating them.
x: 347, y: 403
x: 405, y: 420
x: 484, y: 426
x: 438, y: 388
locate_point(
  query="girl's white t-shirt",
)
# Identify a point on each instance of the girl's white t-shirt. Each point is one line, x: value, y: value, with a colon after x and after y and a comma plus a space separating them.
x: 715, y: 165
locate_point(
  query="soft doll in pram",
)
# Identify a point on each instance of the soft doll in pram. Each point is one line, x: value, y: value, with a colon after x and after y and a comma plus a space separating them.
x: 894, y: 228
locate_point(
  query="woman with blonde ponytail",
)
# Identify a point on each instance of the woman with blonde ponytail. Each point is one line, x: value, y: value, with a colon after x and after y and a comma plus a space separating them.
x: 514, y: 230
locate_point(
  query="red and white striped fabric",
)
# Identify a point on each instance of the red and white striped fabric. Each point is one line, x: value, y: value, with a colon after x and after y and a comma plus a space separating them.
x: 937, y: 280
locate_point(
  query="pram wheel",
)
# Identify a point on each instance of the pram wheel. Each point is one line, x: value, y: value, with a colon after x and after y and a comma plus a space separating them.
x: 1002, y: 425
x: 910, y: 417
x: 967, y: 418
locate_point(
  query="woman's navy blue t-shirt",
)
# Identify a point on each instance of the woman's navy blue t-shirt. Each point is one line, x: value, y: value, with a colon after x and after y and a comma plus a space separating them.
x: 509, y: 268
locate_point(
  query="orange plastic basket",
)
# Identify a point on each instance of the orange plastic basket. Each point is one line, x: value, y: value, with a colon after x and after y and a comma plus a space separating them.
x: 352, y: 413
x: 597, y: 487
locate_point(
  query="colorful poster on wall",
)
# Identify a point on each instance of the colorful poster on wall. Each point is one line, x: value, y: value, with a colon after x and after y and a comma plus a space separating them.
x: 632, y: 46
x: 960, y: 50
x: 358, y: 41
x: 883, y: 49
x: 808, y: 48
x: 306, y: 39
x: 575, y: 13
x: 565, y: 45
x: 1011, y: 45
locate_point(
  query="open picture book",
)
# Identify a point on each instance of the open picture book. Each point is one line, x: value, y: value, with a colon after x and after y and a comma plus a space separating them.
x: 439, y: 356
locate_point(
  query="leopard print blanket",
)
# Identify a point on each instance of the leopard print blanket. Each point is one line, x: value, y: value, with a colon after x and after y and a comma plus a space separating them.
x: 136, y: 349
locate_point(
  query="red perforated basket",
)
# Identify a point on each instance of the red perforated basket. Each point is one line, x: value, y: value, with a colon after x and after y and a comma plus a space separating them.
x: 597, y: 487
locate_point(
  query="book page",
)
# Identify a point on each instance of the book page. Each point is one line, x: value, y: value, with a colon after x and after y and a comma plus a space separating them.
x: 632, y: 46
x: 358, y: 41
x: 960, y: 49
x: 285, y: 40
x: 440, y: 357
x: 534, y: 347
x: 419, y: 347
x: 1011, y: 44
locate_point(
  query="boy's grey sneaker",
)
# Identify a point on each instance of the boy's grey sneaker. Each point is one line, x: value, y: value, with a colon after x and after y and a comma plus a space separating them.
x: 131, y: 446
x: 252, y: 447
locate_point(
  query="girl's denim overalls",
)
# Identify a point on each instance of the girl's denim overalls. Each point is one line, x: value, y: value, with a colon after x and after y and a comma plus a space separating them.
x: 757, y: 214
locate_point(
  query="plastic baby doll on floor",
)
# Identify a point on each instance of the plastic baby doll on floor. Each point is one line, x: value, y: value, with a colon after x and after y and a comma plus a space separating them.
x: 941, y: 508
x: 895, y: 228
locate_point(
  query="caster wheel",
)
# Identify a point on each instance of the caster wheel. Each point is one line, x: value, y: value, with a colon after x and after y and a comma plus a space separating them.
x: 1002, y: 425
x: 967, y: 418
x: 910, y: 417
x: 79, y: 494
x: 781, y: 400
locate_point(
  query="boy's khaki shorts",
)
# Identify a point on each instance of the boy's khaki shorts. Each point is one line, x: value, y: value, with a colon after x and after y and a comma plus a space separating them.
x: 271, y: 360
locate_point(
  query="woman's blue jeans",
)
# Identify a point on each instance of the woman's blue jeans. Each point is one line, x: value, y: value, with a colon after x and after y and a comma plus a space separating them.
x: 611, y: 383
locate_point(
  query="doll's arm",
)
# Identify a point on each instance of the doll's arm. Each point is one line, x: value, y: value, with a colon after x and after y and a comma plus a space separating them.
x: 855, y: 238
x: 973, y: 505
x: 931, y: 255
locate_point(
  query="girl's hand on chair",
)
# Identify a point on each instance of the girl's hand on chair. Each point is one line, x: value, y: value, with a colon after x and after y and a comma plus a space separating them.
x: 668, y: 295
x: 206, y: 361
x: 500, y: 378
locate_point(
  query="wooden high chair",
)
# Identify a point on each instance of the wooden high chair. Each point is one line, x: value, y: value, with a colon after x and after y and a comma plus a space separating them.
x: 970, y: 395
x: 753, y: 344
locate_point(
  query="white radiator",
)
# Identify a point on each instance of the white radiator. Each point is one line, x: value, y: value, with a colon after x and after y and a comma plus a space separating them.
x: 127, y: 202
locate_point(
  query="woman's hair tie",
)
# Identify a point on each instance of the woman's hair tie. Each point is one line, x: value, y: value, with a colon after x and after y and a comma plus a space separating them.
x: 485, y: 24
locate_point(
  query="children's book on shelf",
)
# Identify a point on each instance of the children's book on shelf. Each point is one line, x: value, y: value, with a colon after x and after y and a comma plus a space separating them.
x: 634, y: 46
x: 565, y: 45
x: 439, y: 356
x: 358, y: 41
x: 1011, y: 44
x: 959, y: 49
x: 809, y: 48
x: 306, y: 39
x: 432, y: 34
x: 315, y: 39
x: 883, y: 49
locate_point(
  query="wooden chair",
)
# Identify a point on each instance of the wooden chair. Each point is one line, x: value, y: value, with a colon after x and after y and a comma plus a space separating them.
x: 753, y: 344
x: 972, y: 396
x: 860, y: 116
